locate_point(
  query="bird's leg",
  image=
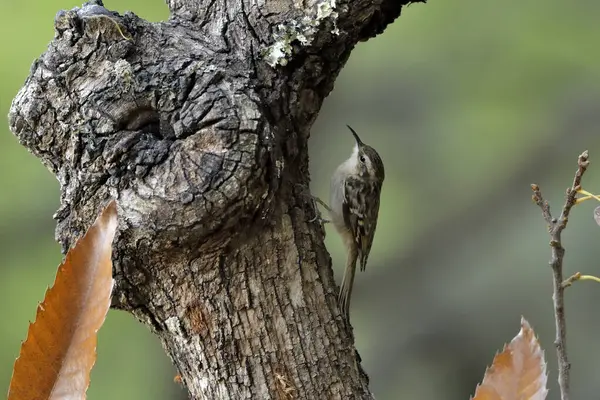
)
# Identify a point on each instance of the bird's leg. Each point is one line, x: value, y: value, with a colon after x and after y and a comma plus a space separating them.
x: 321, y: 202
x: 316, y: 201
x: 318, y: 217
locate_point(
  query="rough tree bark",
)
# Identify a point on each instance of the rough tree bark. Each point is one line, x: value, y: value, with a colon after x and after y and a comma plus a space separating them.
x: 198, y: 126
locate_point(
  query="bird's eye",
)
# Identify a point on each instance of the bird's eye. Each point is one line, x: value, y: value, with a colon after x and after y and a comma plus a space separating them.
x: 362, y: 158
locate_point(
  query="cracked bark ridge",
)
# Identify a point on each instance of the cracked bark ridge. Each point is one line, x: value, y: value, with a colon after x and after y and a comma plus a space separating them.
x: 198, y: 126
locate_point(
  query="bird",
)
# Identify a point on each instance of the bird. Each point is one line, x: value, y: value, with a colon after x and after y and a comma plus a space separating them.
x: 355, y: 192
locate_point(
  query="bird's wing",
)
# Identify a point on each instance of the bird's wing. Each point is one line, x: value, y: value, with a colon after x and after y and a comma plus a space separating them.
x: 361, y: 209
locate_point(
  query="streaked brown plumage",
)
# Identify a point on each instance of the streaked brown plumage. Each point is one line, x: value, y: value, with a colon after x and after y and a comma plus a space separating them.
x: 354, y: 201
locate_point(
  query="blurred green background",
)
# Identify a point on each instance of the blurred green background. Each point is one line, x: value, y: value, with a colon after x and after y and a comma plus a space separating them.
x: 468, y: 102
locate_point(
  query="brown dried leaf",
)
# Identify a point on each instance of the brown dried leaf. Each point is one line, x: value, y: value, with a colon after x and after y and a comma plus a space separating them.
x: 518, y: 372
x: 60, y: 349
x: 597, y: 215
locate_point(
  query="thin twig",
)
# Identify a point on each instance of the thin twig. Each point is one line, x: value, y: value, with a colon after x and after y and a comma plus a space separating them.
x: 578, y: 277
x: 555, y: 228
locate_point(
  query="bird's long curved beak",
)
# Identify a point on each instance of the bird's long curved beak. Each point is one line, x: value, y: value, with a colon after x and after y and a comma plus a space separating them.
x: 358, y: 141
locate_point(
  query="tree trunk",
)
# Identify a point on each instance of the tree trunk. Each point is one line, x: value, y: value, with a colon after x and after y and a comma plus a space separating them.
x: 198, y: 127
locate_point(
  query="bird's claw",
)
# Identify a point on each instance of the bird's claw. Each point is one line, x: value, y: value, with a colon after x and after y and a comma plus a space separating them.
x: 317, y: 216
x: 316, y: 201
x: 321, y: 220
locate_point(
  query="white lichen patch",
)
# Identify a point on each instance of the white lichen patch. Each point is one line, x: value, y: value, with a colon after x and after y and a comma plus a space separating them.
x: 303, y: 31
x: 325, y: 9
x: 124, y: 72
x: 173, y: 324
x: 278, y: 53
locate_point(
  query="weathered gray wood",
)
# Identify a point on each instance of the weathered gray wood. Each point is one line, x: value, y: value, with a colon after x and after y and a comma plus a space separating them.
x: 198, y: 126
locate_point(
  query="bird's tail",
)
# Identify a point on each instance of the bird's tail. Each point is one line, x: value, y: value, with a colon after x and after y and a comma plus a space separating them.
x: 347, y: 282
